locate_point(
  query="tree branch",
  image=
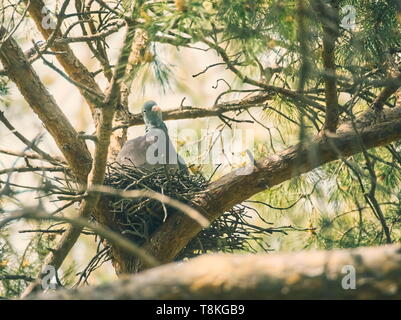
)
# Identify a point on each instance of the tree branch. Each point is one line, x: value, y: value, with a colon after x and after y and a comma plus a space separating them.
x: 31, y: 145
x: 203, y: 112
x: 32, y: 169
x: 387, y: 92
x: 31, y: 155
x: 96, y: 176
x: 302, y: 275
x: 234, y: 188
x: 293, y: 95
x: 43, y: 104
x: 329, y: 17
x: 71, y: 64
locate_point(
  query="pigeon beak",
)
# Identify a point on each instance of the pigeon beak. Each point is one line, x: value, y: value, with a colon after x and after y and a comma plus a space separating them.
x: 156, y: 109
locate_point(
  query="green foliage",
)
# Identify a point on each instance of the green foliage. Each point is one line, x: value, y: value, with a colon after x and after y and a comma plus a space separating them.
x: 377, y: 34
x: 252, y: 32
x: 19, y: 267
x: 4, y: 90
x: 329, y: 207
x: 23, y: 264
x: 3, y: 87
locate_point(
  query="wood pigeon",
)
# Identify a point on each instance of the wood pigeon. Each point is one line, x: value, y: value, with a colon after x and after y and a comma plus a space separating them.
x: 154, y: 149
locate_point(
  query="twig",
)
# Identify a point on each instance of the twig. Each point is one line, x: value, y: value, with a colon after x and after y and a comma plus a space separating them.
x: 33, y: 169
x: 17, y: 277
x: 33, y: 156
x: 37, y: 213
x: 27, y: 142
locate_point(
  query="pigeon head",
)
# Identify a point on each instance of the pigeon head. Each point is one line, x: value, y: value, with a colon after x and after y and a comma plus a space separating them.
x: 152, y: 115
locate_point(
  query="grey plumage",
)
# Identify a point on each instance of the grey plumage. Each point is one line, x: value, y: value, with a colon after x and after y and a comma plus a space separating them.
x: 154, y: 149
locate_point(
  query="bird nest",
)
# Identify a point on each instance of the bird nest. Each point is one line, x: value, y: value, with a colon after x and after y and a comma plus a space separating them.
x: 141, y: 217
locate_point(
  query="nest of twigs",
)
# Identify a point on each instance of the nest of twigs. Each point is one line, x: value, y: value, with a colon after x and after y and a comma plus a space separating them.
x: 141, y: 217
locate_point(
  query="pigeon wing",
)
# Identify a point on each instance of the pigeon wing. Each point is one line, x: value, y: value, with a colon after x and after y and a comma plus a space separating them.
x: 134, y: 152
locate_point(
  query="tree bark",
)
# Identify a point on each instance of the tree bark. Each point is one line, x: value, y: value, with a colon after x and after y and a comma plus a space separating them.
x: 71, y: 64
x: 43, y: 104
x: 330, y: 34
x: 234, y: 188
x: 204, y: 112
x: 97, y: 173
x: 303, y: 275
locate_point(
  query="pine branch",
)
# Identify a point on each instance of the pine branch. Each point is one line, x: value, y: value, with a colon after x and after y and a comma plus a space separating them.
x: 234, y: 188
x: 301, y: 275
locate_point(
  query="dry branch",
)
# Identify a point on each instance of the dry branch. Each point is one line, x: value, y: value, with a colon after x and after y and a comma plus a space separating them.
x: 302, y: 275
x: 32, y: 169
x: 43, y: 104
x: 30, y: 144
x: 203, y: 112
x: 31, y: 155
x: 71, y: 64
x: 104, y: 232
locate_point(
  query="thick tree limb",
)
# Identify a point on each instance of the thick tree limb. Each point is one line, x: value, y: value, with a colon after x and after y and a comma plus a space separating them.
x: 302, y: 275
x: 119, y: 136
x: 234, y: 188
x: 43, y: 104
x: 74, y: 149
x: 71, y: 64
x: 387, y: 92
